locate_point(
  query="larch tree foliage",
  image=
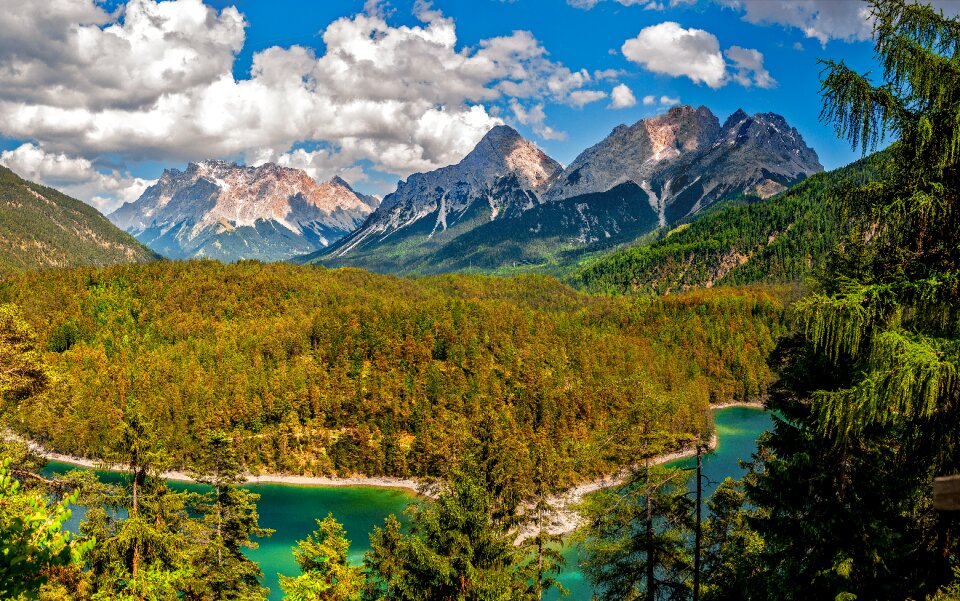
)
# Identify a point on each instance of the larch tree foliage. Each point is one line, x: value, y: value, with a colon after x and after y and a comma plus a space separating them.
x: 637, y: 542
x: 543, y: 547
x: 869, y: 395
x: 35, y: 550
x: 141, y: 554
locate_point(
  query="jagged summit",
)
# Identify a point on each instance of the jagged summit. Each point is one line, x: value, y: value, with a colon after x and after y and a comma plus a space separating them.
x: 684, y: 160
x: 738, y: 116
x: 503, y: 151
x: 503, y: 174
x: 221, y: 209
x: 637, y: 152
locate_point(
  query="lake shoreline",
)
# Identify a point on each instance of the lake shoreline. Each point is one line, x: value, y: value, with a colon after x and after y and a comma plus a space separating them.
x: 567, y: 499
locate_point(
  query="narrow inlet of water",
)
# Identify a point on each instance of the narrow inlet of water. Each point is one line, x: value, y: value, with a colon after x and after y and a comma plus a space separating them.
x: 293, y: 510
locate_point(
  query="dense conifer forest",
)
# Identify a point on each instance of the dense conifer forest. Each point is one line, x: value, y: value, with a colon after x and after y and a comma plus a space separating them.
x: 346, y: 372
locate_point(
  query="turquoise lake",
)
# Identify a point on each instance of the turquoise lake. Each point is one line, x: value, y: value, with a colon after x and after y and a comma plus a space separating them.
x: 293, y: 510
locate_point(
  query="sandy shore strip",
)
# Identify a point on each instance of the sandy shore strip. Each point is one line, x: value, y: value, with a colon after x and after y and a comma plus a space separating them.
x: 749, y: 404
x: 179, y: 476
x: 566, y: 518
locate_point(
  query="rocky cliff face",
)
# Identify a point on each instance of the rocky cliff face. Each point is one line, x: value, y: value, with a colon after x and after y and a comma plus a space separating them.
x: 225, y: 211
x: 502, y: 176
x: 684, y: 160
x: 759, y: 155
x: 638, y: 152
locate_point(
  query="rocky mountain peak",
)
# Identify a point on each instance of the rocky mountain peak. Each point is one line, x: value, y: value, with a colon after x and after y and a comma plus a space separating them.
x: 503, y: 151
x: 739, y: 116
x: 503, y: 174
x: 338, y: 181
x: 215, y: 199
x: 637, y: 152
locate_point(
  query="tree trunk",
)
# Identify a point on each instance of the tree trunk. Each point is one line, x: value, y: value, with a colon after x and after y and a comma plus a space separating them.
x: 698, y: 534
x: 219, y: 526
x: 651, y: 577
x: 139, y: 475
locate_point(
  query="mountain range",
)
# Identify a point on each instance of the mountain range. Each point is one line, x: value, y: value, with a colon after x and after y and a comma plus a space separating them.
x: 783, y: 239
x: 507, y: 203
x: 41, y: 227
x: 224, y: 211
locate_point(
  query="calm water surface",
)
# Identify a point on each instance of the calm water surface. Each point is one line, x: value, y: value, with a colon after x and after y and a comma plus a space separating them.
x: 293, y: 510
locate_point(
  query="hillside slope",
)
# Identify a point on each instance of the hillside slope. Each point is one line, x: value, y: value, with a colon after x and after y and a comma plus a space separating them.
x: 41, y: 227
x: 782, y: 239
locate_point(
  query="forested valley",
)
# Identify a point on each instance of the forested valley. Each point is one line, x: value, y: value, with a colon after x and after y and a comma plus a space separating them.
x: 320, y: 372
x: 502, y: 392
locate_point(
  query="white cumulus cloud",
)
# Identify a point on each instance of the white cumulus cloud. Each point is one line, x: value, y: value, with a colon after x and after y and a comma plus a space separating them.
x: 823, y: 20
x: 622, y: 97
x: 748, y: 67
x: 646, y: 4
x: 75, y: 177
x: 154, y: 81
x: 670, y: 49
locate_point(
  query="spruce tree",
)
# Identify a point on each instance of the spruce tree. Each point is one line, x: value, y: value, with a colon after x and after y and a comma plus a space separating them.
x: 230, y: 522
x: 637, y: 543
x: 326, y: 573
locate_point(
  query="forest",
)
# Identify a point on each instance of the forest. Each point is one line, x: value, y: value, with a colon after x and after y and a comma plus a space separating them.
x: 341, y: 372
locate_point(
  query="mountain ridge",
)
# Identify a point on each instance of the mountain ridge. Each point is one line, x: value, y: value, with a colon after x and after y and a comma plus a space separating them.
x: 227, y: 211
x: 678, y: 163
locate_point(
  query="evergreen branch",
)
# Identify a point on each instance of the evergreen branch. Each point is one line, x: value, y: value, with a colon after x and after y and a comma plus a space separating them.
x: 860, y: 112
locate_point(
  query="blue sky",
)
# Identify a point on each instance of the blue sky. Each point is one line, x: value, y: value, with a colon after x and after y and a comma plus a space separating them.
x: 154, y: 84
x: 592, y: 39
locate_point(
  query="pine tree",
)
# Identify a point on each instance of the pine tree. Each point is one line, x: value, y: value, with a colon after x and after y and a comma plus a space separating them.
x: 383, y: 563
x: 457, y: 547
x: 869, y: 394
x: 637, y: 541
x: 230, y: 521
x: 544, y: 549
x: 143, y: 554
x: 326, y: 573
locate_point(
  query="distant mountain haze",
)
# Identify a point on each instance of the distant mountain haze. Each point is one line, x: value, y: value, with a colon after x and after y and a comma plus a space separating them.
x: 221, y: 210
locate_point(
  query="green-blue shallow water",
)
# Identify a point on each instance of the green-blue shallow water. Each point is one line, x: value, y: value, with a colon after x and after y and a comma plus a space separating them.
x: 293, y: 510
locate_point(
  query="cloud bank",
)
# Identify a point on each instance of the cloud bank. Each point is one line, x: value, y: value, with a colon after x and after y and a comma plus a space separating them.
x: 154, y: 81
x: 669, y: 49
